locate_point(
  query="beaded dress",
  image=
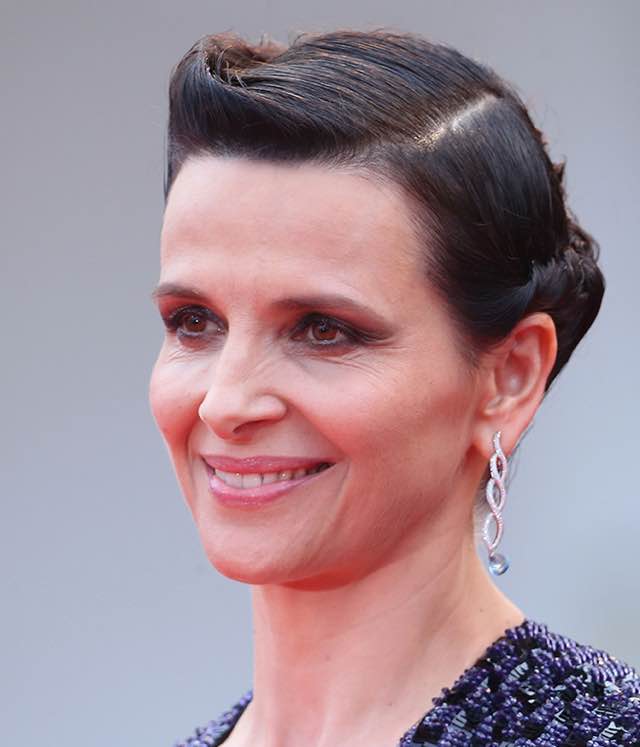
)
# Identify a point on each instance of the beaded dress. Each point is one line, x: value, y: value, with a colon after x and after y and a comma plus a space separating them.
x: 531, y: 688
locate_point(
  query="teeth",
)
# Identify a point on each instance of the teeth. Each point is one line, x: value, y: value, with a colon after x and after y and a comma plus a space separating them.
x: 251, y: 481
x: 230, y: 478
x: 236, y: 480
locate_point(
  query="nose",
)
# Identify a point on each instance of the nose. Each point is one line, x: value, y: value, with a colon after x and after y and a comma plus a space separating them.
x: 239, y: 392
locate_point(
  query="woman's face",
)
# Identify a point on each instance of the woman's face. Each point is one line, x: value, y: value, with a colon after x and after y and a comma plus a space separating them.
x: 300, y: 325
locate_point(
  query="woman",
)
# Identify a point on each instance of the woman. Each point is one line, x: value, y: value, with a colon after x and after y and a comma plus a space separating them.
x: 369, y: 280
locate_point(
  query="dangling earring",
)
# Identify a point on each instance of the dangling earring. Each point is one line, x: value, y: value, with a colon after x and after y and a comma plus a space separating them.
x: 498, y: 563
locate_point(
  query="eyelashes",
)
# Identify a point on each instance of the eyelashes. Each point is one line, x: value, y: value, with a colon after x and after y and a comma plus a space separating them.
x: 341, y: 335
x: 328, y: 323
x: 175, y: 319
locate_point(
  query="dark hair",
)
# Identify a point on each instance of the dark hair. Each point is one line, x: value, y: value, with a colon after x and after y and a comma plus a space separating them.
x: 488, y: 201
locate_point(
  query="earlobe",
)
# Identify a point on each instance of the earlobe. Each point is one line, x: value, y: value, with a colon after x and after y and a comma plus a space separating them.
x: 516, y: 373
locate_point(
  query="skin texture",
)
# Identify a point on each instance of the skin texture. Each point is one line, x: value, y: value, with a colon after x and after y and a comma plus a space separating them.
x: 368, y: 594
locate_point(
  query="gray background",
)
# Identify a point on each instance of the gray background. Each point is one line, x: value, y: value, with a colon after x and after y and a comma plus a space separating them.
x: 115, y: 630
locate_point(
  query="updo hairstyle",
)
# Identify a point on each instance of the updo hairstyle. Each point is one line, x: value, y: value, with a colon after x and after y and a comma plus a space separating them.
x: 488, y: 204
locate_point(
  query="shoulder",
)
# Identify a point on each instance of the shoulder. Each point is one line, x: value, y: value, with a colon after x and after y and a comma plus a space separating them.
x: 586, y: 692
x: 216, y: 731
x: 535, y: 686
x: 559, y: 659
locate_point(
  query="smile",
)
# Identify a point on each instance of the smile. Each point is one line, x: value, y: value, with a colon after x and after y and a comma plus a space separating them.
x: 254, y: 489
x: 255, y: 480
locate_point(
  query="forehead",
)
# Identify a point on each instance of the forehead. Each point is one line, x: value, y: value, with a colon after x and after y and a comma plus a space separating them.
x: 290, y: 221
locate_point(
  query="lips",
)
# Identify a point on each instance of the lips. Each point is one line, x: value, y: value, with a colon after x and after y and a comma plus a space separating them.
x: 254, y: 481
x: 261, y: 464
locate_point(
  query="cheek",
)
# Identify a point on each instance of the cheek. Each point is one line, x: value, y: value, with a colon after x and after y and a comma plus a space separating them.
x: 405, y: 445
x: 391, y: 418
x: 172, y: 402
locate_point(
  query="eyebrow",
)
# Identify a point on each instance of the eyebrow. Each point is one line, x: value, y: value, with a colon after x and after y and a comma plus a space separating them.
x: 175, y: 289
x: 291, y: 303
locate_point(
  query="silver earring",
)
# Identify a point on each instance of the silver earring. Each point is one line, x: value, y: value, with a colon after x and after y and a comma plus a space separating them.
x: 496, y: 494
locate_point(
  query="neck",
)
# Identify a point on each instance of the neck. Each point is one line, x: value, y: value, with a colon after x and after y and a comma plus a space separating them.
x: 360, y: 663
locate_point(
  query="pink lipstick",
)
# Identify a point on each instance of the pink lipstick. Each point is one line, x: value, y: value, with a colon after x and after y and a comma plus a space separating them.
x: 270, y: 477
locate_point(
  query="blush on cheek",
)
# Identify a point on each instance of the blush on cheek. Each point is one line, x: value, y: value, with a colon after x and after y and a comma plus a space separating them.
x: 158, y: 403
x: 167, y: 405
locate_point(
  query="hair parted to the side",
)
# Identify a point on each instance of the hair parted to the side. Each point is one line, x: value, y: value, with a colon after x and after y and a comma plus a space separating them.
x: 489, y: 205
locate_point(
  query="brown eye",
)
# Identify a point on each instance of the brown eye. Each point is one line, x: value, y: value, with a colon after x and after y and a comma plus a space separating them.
x: 324, y: 331
x: 193, y: 322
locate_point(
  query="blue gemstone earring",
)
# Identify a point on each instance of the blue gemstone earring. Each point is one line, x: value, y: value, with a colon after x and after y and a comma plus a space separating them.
x: 496, y: 494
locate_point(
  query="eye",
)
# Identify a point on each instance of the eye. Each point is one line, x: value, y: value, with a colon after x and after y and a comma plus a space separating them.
x: 190, y: 322
x: 194, y: 322
x: 323, y: 331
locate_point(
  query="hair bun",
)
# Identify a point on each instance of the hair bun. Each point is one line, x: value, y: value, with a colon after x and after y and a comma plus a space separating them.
x: 580, y: 258
x: 570, y: 288
x: 581, y: 242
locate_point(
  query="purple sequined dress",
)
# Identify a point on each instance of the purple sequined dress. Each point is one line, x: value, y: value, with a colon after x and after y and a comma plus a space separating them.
x: 530, y: 687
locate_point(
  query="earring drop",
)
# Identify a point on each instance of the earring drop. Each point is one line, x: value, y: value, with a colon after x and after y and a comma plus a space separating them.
x: 496, y: 494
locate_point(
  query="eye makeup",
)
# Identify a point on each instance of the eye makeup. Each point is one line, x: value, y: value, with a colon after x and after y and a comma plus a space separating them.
x: 348, y: 336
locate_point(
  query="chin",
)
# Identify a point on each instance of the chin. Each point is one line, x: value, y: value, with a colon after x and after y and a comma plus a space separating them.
x: 269, y: 571
x: 246, y: 567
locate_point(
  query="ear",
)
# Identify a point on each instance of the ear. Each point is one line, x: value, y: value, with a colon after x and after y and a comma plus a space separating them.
x: 514, y: 376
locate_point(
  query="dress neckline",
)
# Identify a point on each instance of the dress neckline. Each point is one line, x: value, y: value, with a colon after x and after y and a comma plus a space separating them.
x: 495, y: 651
